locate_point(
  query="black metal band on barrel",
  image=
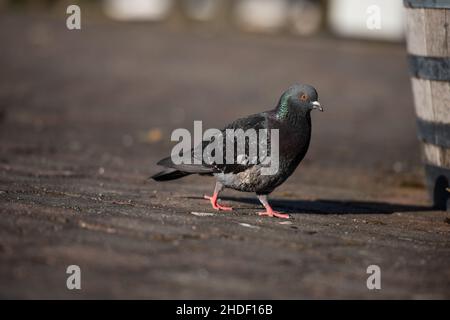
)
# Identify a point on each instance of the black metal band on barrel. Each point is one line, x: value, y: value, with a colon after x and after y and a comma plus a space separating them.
x: 438, y: 183
x: 437, y: 171
x: 428, y: 4
x: 430, y: 68
x: 434, y: 133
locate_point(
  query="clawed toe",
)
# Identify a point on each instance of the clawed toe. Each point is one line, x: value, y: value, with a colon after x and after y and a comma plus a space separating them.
x: 216, y: 205
x: 274, y: 214
x: 224, y: 208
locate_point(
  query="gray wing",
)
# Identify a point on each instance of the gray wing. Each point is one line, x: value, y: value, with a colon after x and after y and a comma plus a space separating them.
x: 214, y: 161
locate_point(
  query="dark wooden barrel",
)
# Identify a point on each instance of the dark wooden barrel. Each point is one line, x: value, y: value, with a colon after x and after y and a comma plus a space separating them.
x: 428, y: 43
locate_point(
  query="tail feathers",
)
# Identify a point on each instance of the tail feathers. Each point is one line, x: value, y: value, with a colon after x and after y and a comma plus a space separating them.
x: 169, y: 174
x: 188, y: 168
x: 176, y: 171
x: 166, y: 162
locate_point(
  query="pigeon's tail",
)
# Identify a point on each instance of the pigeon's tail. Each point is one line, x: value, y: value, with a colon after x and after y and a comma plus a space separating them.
x: 176, y: 171
x: 169, y: 174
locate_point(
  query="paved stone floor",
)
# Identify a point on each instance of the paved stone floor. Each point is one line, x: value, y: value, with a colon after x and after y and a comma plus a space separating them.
x: 84, y: 117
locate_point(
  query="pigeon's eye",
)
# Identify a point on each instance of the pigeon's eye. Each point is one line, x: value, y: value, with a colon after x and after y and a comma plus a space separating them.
x: 303, y: 97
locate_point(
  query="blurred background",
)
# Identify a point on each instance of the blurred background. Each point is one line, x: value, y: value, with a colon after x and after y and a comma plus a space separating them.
x: 86, y: 114
x: 159, y: 64
x: 297, y: 17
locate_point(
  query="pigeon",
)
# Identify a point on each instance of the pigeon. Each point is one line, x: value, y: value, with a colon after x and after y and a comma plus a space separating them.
x: 292, y: 118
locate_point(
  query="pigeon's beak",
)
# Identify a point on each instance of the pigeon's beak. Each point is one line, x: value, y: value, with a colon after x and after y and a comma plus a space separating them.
x: 316, y: 105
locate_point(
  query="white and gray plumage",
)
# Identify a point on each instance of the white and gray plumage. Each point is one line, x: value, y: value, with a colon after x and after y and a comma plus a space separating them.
x: 292, y: 117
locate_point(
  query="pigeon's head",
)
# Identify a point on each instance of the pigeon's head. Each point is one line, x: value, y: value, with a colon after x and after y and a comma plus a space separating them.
x: 300, y: 98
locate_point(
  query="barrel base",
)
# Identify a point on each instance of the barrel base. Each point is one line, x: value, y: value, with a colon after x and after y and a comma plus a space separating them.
x: 438, y: 186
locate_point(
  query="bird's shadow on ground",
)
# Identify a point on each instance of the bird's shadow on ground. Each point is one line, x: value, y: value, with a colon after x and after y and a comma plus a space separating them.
x: 324, y: 206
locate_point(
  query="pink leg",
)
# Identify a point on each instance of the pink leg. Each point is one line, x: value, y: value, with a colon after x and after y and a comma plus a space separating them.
x: 269, y: 211
x: 214, y: 199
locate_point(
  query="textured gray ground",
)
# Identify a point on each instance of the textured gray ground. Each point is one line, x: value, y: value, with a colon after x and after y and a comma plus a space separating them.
x: 86, y: 115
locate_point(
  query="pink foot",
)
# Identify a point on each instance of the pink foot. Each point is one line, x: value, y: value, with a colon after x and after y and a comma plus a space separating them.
x: 215, y: 205
x: 271, y: 213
